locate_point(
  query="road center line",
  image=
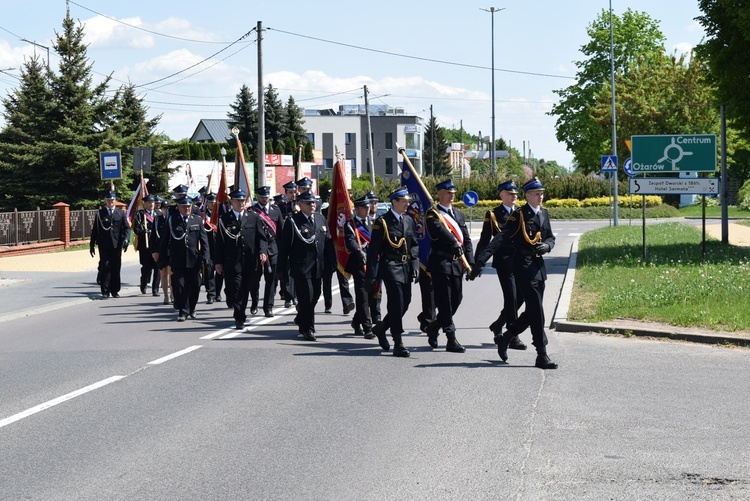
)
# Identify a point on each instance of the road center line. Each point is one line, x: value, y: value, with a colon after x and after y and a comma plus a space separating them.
x: 175, y: 355
x: 58, y: 400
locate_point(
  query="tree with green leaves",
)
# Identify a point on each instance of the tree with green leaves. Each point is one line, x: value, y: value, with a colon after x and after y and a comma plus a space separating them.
x: 244, y: 116
x: 636, y: 36
x: 438, y: 151
x: 294, y: 122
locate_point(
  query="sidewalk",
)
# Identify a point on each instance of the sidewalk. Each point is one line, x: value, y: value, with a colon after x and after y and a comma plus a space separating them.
x: 71, y: 261
x: 739, y: 235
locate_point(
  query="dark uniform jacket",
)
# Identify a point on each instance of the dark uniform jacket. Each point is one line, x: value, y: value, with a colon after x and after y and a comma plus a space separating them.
x: 186, y: 243
x: 357, y: 255
x: 271, y: 235
x: 301, y: 246
x: 110, y: 232
x: 445, y: 250
x: 239, y: 243
x: 494, y: 222
x: 528, y: 264
x: 143, y: 225
x: 394, y: 256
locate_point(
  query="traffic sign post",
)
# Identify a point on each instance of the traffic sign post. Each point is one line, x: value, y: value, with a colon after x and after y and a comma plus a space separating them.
x: 674, y: 185
x: 110, y: 165
x: 471, y: 198
x: 674, y: 153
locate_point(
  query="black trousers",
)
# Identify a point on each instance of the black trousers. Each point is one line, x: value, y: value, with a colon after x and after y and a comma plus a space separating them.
x: 448, y: 291
x: 365, y: 304
x: 286, y: 286
x: 148, y: 265
x: 533, y: 293
x: 346, y: 296
x: 110, y: 264
x: 209, y: 280
x: 187, y: 287
x: 399, y: 298
x: 238, y: 292
x: 308, y: 293
x: 428, y: 297
x: 512, y: 298
x: 269, y: 290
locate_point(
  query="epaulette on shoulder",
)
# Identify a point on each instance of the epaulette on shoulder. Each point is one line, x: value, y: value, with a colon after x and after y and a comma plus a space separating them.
x: 376, y: 225
x: 512, y: 217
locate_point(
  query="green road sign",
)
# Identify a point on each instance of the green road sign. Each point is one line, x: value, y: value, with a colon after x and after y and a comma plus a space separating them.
x: 674, y: 153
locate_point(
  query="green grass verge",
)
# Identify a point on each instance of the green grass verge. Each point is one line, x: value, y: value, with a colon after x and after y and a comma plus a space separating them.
x: 673, y: 285
x: 713, y: 211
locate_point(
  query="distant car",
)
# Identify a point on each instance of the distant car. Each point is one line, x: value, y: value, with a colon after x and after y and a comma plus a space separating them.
x: 383, y: 208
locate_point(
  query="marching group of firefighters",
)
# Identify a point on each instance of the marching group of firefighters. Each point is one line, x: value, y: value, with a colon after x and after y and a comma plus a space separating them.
x: 288, y: 245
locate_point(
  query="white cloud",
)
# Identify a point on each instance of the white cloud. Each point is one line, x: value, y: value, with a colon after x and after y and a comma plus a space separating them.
x: 104, y: 32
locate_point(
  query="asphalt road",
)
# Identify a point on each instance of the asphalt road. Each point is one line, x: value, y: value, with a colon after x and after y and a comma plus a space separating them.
x: 112, y: 399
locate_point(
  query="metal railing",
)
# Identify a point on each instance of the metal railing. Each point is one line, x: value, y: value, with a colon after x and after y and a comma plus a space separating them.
x: 26, y: 227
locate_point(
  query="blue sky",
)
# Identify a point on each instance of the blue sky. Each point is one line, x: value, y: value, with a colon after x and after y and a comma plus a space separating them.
x: 542, y: 38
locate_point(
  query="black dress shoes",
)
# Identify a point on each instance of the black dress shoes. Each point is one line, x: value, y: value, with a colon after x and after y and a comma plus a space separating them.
x: 349, y: 308
x: 380, y: 333
x: 543, y: 362
x: 192, y: 315
x: 143, y: 289
x: 454, y: 346
x: 218, y: 298
x: 400, y: 351
x: 115, y: 294
x: 359, y: 332
x: 502, y: 347
x: 210, y: 300
x: 269, y: 313
x: 497, y: 327
x: 180, y: 318
x: 239, y: 324
x: 516, y: 344
x: 369, y: 335
x: 253, y: 310
x: 287, y: 304
x: 433, y: 331
x: 423, y: 323
x: 309, y: 336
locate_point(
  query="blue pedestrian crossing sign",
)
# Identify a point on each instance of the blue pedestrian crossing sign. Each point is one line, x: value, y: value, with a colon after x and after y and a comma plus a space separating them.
x: 471, y: 198
x: 609, y: 163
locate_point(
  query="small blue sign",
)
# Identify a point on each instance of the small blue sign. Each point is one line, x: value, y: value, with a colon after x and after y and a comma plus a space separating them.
x: 609, y: 163
x: 471, y: 198
x: 627, y: 168
x: 110, y: 165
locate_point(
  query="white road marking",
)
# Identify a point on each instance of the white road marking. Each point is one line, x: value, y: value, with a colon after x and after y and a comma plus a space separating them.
x: 575, y: 234
x: 58, y: 400
x: 174, y: 355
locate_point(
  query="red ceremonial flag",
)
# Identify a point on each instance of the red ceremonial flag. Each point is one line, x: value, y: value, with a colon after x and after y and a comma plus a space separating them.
x: 339, y: 214
x: 244, y: 181
x: 136, y: 202
x: 221, y: 196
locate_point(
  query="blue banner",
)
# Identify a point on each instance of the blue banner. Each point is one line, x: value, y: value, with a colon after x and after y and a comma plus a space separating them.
x: 420, y: 202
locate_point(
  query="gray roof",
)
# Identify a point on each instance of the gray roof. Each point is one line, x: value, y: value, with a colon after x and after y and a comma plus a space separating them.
x: 216, y: 128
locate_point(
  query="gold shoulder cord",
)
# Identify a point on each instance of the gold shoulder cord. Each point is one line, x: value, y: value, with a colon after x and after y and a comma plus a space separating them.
x: 399, y: 244
x: 530, y: 241
x: 495, y: 225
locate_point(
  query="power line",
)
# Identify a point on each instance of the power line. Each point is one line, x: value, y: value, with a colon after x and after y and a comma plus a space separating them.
x: 422, y: 58
x: 144, y: 29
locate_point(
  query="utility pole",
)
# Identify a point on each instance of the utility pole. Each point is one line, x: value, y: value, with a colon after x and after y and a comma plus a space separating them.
x: 614, y: 113
x: 432, y: 143
x: 369, y: 142
x: 261, y: 114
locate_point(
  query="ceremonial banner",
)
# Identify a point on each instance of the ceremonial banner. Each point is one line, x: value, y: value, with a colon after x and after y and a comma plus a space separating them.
x: 339, y: 213
x: 420, y: 202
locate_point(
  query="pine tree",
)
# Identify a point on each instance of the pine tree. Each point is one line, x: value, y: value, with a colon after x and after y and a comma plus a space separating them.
x: 82, y: 113
x: 244, y: 116
x: 23, y: 163
x: 440, y: 153
x: 274, y: 116
x: 294, y: 123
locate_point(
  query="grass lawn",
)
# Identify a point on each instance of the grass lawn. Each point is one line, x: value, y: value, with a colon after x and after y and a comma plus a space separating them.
x: 672, y: 286
x: 713, y: 211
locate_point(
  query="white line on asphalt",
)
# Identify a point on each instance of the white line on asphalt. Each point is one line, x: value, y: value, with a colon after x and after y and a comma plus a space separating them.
x: 262, y: 321
x: 174, y: 355
x: 575, y: 234
x: 58, y: 400
x: 217, y: 333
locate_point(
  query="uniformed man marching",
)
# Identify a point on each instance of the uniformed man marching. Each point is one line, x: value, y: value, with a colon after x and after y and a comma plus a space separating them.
x: 357, y: 238
x: 393, y: 257
x: 240, y: 251
x: 272, y: 223
x: 531, y: 233
x: 301, y: 255
x: 111, y: 234
x: 502, y: 261
x: 186, y: 243
x: 143, y: 224
x: 289, y: 207
x: 450, y: 249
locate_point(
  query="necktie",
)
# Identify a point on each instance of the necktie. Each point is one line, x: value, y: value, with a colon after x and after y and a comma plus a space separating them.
x: 109, y: 211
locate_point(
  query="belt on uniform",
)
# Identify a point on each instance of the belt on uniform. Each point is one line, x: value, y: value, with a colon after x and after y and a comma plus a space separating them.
x: 399, y: 258
x: 446, y: 255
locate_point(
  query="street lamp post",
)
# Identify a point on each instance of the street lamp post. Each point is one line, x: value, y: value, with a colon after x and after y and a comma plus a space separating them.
x: 492, y: 11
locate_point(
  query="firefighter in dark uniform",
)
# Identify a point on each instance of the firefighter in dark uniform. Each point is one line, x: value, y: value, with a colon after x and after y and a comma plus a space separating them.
x: 286, y: 283
x: 502, y: 261
x: 208, y: 270
x: 240, y: 250
x: 373, y: 199
x: 531, y: 233
x: 143, y: 224
x: 356, y: 238
x: 301, y: 255
x: 186, y: 243
x: 272, y: 223
x: 450, y: 249
x: 111, y: 234
x: 393, y: 257
x: 158, y: 230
